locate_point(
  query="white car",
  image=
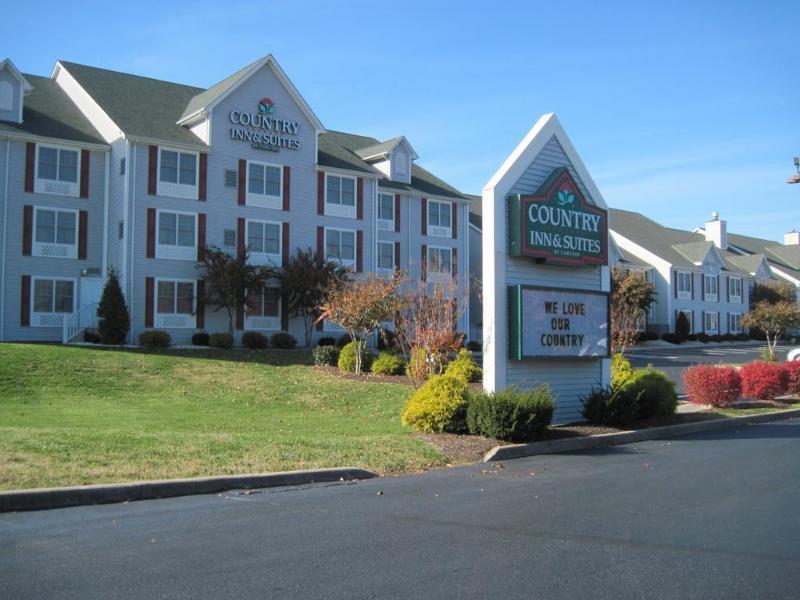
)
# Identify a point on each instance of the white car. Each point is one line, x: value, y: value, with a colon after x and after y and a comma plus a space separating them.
x: 794, y: 354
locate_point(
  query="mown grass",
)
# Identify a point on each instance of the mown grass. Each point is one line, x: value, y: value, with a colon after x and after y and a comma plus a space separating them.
x: 76, y: 415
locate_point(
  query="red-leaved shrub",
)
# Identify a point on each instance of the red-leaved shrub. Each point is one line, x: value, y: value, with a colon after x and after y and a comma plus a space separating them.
x: 710, y: 384
x: 763, y: 380
x: 792, y: 369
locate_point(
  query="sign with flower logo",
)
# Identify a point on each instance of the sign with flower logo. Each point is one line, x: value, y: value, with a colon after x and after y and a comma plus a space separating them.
x: 557, y: 226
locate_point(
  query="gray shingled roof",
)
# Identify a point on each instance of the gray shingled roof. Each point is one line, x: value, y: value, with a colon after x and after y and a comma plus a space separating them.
x: 748, y: 263
x: 48, y: 112
x: 206, y: 97
x: 378, y: 149
x: 782, y: 257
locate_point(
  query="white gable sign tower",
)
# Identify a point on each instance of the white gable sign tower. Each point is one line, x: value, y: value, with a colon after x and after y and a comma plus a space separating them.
x: 545, y: 272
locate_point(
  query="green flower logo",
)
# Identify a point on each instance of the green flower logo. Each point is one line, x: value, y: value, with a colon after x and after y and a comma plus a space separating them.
x: 565, y: 196
x: 266, y: 106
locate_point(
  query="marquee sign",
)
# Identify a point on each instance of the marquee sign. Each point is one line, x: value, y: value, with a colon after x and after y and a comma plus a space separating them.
x: 557, y: 323
x: 263, y: 130
x: 557, y: 224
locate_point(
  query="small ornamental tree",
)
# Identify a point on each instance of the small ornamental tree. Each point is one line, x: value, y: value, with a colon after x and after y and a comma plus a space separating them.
x: 772, y: 292
x: 305, y: 280
x: 359, y: 307
x: 631, y: 297
x: 773, y: 320
x: 230, y: 280
x: 114, y: 320
x: 682, y: 325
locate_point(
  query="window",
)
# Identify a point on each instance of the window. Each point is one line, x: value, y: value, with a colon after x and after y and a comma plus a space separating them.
x: 229, y: 238
x: 264, y: 185
x: 710, y: 287
x: 340, y: 196
x: 439, y: 262
x: 52, y: 298
x: 711, y: 323
x: 177, y: 173
x: 57, y: 170
x: 264, y: 242
x: 264, y: 310
x: 177, y: 235
x: 175, y: 304
x: 735, y: 289
x: 55, y: 233
x: 386, y: 212
x: 684, y: 285
x: 439, y: 218
x: 736, y: 323
x: 340, y: 245
x: 386, y: 256
x: 689, y: 318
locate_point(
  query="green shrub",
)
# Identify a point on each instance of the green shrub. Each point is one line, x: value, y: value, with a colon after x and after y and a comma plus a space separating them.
x: 682, y: 325
x: 220, y: 340
x: 604, y: 406
x: 91, y: 337
x: 389, y: 362
x: 254, y: 340
x: 200, y: 339
x: 347, y: 359
x: 283, y: 341
x: 517, y: 416
x: 465, y: 367
x: 343, y: 340
x: 155, y: 338
x: 439, y: 405
x: 326, y: 341
x: 325, y: 355
x: 654, y: 393
x: 621, y: 371
x: 114, y: 320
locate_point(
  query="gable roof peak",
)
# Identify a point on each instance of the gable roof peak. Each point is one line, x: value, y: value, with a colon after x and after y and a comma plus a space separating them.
x: 6, y: 64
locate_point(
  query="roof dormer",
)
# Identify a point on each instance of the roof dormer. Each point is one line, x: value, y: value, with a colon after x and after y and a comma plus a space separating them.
x: 13, y: 89
x: 393, y: 158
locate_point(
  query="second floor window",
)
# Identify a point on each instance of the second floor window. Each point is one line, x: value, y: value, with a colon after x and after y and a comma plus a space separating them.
x: 340, y: 245
x: 56, y: 226
x: 735, y: 289
x: 177, y: 173
x: 57, y: 164
x: 385, y: 211
x: 684, y: 285
x: 710, y: 287
x: 264, y: 238
x: 340, y: 196
x: 439, y: 218
x: 264, y: 185
x: 177, y: 235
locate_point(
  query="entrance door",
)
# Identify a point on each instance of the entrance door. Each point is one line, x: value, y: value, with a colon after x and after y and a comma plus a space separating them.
x: 91, y: 290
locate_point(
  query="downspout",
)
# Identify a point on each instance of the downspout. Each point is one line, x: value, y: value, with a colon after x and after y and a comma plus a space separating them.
x: 5, y: 244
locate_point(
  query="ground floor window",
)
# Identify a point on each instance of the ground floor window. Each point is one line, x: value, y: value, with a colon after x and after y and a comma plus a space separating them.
x: 264, y: 310
x: 340, y: 245
x: 711, y: 323
x: 51, y: 300
x: 440, y: 262
x: 735, y: 323
x: 175, y: 303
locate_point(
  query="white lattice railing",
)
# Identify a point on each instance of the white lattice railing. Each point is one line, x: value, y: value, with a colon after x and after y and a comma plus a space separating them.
x: 83, y: 318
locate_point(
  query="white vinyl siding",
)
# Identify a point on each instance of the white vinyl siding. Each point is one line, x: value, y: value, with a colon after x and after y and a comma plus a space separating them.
x: 178, y: 174
x: 684, y: 285
x: 176, y: 235
x: 386, y: 212
x: 55, y: 233
x: 439, y: 218
x: 340, y: 196
x: 57, y: 170
x: 265, y: 312
x: 175, y: 304
x: 264, y: 242
x: 340, y: 245
x: 386, y: 256
x: 264, y: 185
x: 51, y: 299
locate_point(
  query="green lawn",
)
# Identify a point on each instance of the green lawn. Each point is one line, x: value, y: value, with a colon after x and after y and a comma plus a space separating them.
x: 74, y: 415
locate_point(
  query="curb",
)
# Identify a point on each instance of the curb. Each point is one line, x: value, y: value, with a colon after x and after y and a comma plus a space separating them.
x: 604, y: 440
x: 46, y: 498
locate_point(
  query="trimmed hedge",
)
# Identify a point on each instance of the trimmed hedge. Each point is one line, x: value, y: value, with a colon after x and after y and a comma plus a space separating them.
x: 438, y: 406
x: 347, y: 359
x: 712, y: 384
x: 516, y: 416
x: 465, y: 367
x: 389, y: 363
x: 604, y: 406
x: 763, y: 380
x: 200, y: 339
x: 91, y: 337
x: 653, y: 391
x: 325, y: 355
x: 792, y: 369
x: 155, y: 338
x: 220, y: 340
x: 283, y: 341
x: 254, y: 340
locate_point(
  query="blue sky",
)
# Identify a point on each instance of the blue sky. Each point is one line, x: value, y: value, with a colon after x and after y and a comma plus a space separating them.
x: 678, y: 109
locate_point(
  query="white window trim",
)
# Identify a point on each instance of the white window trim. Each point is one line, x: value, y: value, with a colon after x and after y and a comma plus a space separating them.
x: 343, y: 262
x: 178, y: 190
x: 711, y: 296
x: 438, y: 275
x: 682, y: 295
x: 162, y: 320
x: 439, y: 230
x: 264, y: 322
x: 46, y: 186
x: 378, y: 255
x: 263, y: 200
x: 738, y: 327
x: 50, y: 319
x: 264, y: 258
x: 176, y: 252
x: 45, y: 249
x: 706, y: 328
x: 340, y: 210
x: 735, y: 299
x: 385, y: 224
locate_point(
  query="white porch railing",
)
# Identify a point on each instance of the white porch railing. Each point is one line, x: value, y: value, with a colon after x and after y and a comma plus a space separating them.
x: 84, y: 317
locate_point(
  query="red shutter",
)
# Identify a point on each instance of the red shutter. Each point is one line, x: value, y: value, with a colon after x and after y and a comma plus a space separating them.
x: 83, y: 229
x: 360, y: 198
x: 201, y: 304
x: 424, y: 203
x: 201, y: 237
x: 27, y: 230
x: 152, y: 168
x: 287, y: 186
x: 703, y: 293
x: 397, y: 212
x: 359, y: 251
x: 320, y: 193
x: 397, y: 255
x: 454, y: 214
x: 728, y: 289
x: 320, y: 243
x: 85, y: 158
x: 284, y: 312
x: 423, y: 263
x: 149, y: 298
x: 25, y: 305
x: 703, y: 317
x: 151, y: 233
x: 202, y: 186
x: 240, y: 241
x: 242, y: 184
x: 675, y: 283
x: 285, y: 245
x: 30, y: 165
x: 454, y: 263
